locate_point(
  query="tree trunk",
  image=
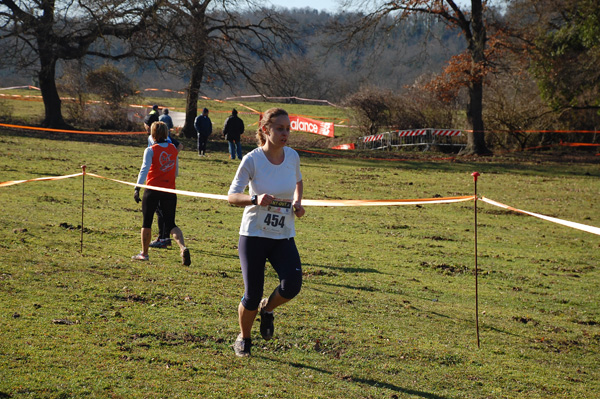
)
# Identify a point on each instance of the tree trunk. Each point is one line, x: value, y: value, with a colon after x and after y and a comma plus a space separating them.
x: 191, y: 102
x: 475, y: 139
x: 52, y: 103
x: 476, y: 45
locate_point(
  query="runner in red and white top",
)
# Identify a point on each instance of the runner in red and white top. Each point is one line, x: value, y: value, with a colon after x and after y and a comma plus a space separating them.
x: 159, y: 169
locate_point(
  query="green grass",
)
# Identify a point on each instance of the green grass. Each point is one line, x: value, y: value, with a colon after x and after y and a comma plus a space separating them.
x: 387, y: 308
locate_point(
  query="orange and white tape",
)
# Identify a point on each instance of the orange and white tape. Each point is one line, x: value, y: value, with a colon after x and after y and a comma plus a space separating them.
x: 375, y: 202
x: 46, y: 129
x: 13, y: 182
x: 420, y: 201
x: 307, y: 202
x: 166, y: 190
x: 578, y: 226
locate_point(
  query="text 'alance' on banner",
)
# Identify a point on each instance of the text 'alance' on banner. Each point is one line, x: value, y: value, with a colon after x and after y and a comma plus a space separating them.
x: 301, y: 124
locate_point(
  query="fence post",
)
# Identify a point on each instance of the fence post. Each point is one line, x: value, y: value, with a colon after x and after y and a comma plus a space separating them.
x: 475, y: 175
x: 82, y: 207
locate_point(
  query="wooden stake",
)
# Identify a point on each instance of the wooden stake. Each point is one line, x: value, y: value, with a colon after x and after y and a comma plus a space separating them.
x: 475, y: 176
x: 82, y: 207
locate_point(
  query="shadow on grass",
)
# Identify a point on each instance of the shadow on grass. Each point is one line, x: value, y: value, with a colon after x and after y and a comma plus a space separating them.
x: 414, y: 308
x: 501, y: 331
x: 366, y: 381
x: 201, y: 252
x: 345, y: 269
x: 395, y: 388
x: 350, y: 287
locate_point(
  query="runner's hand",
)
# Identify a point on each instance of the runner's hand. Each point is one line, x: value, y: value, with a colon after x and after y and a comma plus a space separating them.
x: 299, y: 210
x: 265, y: 199
x: 136, y: 195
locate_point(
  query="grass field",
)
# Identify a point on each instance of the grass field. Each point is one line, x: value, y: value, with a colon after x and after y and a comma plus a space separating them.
x: 387, y: 308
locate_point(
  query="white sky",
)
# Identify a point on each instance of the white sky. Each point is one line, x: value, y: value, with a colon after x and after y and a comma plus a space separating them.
x: 326, y: 5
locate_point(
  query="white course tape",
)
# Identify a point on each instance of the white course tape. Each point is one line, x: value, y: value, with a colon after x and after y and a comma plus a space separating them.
x: 422, y: 201
x: 443, y: 200
x: 166, y: 190
x: 13, y: 182
x: 578, y: 226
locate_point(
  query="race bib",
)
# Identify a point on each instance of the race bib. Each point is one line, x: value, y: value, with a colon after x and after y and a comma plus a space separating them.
x: 276, y: 217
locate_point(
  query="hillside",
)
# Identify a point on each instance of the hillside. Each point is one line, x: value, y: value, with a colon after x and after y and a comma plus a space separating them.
x: 313, y: 69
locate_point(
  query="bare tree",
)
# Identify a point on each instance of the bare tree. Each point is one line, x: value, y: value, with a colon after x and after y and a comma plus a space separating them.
x: 376, y: 109
x: 514, y: 108
x: 471, y: 22
x: 295, y: 76
x: 210, y: 41
x: 372, y: 108
x: 38, y: 33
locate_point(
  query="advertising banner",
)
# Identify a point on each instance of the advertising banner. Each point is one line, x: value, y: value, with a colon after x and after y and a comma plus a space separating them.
x: 302, y: 124
x: 349, y: 146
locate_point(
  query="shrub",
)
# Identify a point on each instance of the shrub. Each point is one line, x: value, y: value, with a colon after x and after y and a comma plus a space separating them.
x: 112, y: 85
x: 376, y: 109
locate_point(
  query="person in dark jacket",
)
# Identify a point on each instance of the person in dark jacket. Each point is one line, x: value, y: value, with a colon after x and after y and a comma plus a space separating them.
x: 151, y: 118
x: 232, y: 130
x: 166, y: 118
x: 203, y: 127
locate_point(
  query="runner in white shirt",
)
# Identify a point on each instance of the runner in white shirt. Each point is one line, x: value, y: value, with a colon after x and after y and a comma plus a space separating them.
x: 272, y: 172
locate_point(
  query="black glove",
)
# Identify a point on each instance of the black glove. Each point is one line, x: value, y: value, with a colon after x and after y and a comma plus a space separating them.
x: 136, y: 195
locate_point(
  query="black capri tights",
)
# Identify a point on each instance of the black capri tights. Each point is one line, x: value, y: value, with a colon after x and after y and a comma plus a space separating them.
x: 168, y: 205
x: 283, y: 256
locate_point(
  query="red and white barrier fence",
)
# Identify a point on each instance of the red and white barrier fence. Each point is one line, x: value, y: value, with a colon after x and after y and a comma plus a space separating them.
x: 446, y: 132
x: 413, y: 133
x: 375, y: 137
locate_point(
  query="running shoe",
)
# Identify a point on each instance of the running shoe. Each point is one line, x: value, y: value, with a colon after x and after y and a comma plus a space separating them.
x: 140, y: 256
x: 242, y: 346
x: 159, y: 243
x: 185, y: 257
x: 266, y: 321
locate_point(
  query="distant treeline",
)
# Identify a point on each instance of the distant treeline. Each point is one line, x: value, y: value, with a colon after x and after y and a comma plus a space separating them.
x: 313, y: 68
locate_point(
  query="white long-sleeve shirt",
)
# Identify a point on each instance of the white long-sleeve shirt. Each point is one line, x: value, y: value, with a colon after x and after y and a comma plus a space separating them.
x: 263, y: 177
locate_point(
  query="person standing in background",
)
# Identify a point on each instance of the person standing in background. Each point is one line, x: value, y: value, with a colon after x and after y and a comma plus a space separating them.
x: 151, y: 118
x: 203, y: 127
x: 166, y: 118
x: 232, y: 130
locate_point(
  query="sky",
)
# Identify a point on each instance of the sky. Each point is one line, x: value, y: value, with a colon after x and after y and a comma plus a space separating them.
x: 325, y: 5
